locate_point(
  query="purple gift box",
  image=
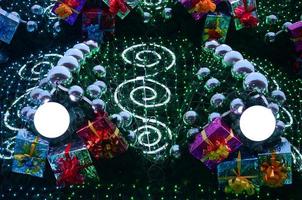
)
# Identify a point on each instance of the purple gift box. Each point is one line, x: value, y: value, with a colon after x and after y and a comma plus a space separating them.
x: 68, y: 10
x: 217, y: 130
x: 295, y: 29
x: 298, y: 46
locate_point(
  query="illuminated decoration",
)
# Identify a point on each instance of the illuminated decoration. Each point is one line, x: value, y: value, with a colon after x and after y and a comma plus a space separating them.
x: 257, y: 123
x: 150, y: 134
x: 51, y: 120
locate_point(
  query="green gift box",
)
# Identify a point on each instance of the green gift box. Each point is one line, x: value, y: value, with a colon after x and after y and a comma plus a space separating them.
x: 216, y: 27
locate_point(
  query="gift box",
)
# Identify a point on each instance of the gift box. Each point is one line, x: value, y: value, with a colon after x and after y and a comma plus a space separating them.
x: 214, y: 143
x: 239, y: 176
x: 29, y: 154
x: 107, y: 24
x: 295, y: 29
x: 68, y: 10
x: 244, y: 12
x: 8, y: 26
x: 276, y: 165
x: 298, y: 45
x: 216, y: 27
x: 91, y: 25
x: 72, y: 165
x: 199, y: 8
x: 102, y: 138
x: 121, y: 8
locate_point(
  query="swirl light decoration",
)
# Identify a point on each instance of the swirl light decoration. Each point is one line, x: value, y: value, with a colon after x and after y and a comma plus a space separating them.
x: 153, y: 136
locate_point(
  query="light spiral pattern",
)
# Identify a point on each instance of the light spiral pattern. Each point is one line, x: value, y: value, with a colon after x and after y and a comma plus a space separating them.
x: 147, y: 95
x: 150, y: 57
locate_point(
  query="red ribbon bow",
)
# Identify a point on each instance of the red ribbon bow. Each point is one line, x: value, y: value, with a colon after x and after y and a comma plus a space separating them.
x: 117, y: 5
x: 245, y: 15
x: 70, y: 168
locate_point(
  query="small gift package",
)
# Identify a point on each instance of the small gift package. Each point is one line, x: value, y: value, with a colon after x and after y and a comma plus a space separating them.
x: 244, y: 12
x: 107, y: 24
x: 214, y: 143
x: 295, y: 31
x: 216, y: 27
x: 275, y: 165
x: 240, y: 176
x: 8, y: 26
x: 72, y: 165
x: 68, y: 10
x: 102, y: 138
x: 199, y: 8
x: 121, y: 8
x: 29, y: 154
x: 91, y: 25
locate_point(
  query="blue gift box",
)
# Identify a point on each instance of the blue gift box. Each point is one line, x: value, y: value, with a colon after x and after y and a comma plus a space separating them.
x: 72, y: 165
x: 8, y: 26
x: 29, y: 154
x: 276, y: 164
x: 239, y: 176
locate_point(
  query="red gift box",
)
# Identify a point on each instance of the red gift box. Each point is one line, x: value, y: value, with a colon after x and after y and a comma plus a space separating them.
x: 103, y: 138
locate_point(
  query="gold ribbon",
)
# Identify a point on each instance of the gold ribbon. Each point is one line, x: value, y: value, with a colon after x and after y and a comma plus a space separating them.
x: 274, y: 172
x: 20, y: 157
x: 239, y: 184
x: 221, y: 152
x: 91, y: 127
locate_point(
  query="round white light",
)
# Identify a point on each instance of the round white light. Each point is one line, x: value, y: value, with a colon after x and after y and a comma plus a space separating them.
x: 257, y: 123
x: 51, y: 120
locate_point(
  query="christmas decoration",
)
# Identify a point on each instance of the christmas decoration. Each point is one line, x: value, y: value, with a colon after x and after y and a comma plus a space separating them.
x: 216, y: 27
x: 8, y: 26
x: 91, y: 25
x: 29, y: 154
x: 72, y: 165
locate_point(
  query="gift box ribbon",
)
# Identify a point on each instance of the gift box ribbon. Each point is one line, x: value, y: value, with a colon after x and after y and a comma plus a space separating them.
x: 239, y: 184
x: 245, y: 14
x: 33, y: 145
x: 69, y: 169
x: 274, y: 172
x: 218, y: 150
x: 203, y: 6
x: 67, y: 8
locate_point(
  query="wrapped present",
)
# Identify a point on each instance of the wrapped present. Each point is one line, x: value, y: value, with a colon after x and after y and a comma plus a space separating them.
x: 8, y: 26
x: 107, y: 23
x: 298, y: 45
x: 295, y: 29
x: 244, y: 12
x: 68, y: 10
x: 199, y: 8
x: 216, y: 27
x: 91, y: 25
x: 102, y: 138
x: 121, y: 8
x: 72, y: 165
x: 275, y: 165
x: 214, y: 144
x: 29, y: 154
x: 240, y: 176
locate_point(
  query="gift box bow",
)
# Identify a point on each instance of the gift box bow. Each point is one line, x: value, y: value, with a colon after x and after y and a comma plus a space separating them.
x: 245, y: 14
x: 67, y: 8
x: 274, y: 172
x: 239, y: 184
x: 218, y: 150
x: 70, y: 168
x: 203, y: 6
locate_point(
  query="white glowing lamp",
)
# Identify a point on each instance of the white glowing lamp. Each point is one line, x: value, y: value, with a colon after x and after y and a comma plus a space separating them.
x: 257, y: 123
x: 51, y: 120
